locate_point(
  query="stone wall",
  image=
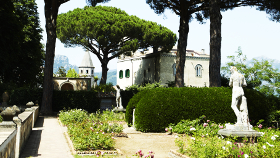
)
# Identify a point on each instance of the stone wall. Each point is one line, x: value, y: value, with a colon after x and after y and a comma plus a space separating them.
x: 7, y: 139
x: 14, y: 134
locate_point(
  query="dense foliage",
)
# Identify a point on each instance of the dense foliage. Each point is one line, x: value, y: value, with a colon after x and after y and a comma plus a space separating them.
x: 156, y: 108
x: 61, y: 72
x: 112, y: 32
x: 259, y: 75
x: 72, y: 73
x: 22, y: 54
x: 91, y: 131
x: 104, y: 88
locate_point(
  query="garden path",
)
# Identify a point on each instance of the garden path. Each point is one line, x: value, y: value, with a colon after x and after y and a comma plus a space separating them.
x: 46, y: 140
x: 159, y: 143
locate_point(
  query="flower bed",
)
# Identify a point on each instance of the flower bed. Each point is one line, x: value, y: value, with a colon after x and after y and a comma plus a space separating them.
x: 90, y: 132
x: 199, y: 138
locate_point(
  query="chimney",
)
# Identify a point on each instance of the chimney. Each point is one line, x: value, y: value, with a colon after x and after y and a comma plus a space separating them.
x: 202, y: 51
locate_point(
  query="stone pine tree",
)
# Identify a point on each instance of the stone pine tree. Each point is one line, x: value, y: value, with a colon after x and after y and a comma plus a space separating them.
x: 200, y: 9
x: 108, y: 32
x: 215, y: 43
x: 271, y: 7
x: 51, y: 11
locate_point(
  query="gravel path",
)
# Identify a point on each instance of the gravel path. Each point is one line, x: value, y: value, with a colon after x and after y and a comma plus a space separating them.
x: 159, y: 143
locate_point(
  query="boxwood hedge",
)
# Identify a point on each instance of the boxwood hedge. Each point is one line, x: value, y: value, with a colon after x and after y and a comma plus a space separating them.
x: 156, y: 108
x: 86, y: 100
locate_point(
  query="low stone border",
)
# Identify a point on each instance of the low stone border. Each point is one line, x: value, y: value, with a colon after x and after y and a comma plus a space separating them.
x: 95, y: 152
x: 175, y: 154
x: 73, y: 151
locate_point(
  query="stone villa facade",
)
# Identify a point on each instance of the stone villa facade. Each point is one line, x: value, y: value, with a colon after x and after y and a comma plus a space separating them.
x: 148, y: 67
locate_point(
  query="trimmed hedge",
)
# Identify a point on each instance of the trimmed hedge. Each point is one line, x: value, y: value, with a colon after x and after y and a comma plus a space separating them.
x: 86, y: 100
x: 157, y: 108
x: 126, y: 96
x: 21, y: 96
x: 132, y: 104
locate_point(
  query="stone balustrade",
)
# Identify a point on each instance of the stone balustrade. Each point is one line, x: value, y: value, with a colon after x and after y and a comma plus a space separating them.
x: 14, y: 134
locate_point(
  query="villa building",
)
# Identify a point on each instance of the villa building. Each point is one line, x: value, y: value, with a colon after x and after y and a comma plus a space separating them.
x: 149, y: 67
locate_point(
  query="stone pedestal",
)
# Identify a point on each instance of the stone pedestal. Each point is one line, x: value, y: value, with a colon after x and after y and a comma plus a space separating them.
x: 240, y: 131
x: 119, y: 109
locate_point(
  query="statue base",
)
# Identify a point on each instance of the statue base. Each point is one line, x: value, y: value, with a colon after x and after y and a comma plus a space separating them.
x: 119, y: 109
x: 239, y: 127
x: 240, y: 131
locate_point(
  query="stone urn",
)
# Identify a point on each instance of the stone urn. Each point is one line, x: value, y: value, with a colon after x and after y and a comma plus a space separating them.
x: 29, y: 104
x: 16, y: 109
x: 5, y: 97
x: 8, y: 114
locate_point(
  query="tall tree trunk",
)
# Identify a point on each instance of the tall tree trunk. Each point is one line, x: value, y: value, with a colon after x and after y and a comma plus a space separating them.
x: 181, y: 48
x: 51, y: 10
x: 215, y: 44
x: 104, y: 73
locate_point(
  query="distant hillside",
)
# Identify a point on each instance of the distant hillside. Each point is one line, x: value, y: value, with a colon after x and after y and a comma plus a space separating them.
x: 111, y: 76
x: 62, y: 60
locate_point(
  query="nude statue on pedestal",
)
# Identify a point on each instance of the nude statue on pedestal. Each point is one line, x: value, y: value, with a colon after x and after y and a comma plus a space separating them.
x: 118, y: 97
x: 239, y: 101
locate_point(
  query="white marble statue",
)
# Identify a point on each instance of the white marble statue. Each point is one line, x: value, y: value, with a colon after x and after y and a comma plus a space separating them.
x: 118, y: 97
x: 239, y: 102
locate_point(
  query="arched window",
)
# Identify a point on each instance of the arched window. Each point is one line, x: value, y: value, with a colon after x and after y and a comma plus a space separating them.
x: 121, y: 74
x: 86, y: 71
x: 198, y: 70
x: 174, y: 69
x: 127, y: 73
x: 81, y: 71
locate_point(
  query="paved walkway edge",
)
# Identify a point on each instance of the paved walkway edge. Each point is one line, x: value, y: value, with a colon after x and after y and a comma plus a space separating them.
x: 69, y: 142
x: 175, y: 154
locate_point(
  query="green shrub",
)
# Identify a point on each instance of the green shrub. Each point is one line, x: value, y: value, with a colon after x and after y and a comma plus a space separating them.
x: 104, y: 88
x: 1, y: 119
x: 156, y: 108
x: 132, y: 104
x: 109, y: 115
x: 273, y: 117
x: 126, y: 96
x: 91, y: 131
x: 73, y: 116
x: 146, y: 86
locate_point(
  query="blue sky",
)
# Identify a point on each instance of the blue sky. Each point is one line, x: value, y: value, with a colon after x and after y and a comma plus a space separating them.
x: 245, y: 27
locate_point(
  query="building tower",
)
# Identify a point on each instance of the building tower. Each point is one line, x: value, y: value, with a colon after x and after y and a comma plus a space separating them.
x: 86, y: 69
